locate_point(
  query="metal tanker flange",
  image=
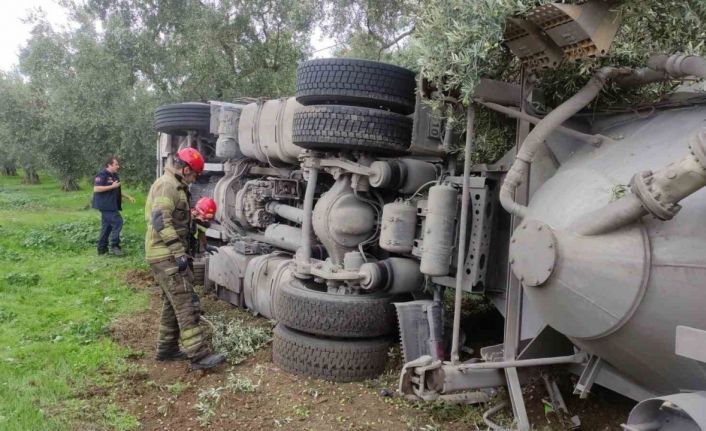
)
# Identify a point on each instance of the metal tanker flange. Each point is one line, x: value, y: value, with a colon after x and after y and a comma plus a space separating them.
x: 651, y: 197
x: 533, y: 253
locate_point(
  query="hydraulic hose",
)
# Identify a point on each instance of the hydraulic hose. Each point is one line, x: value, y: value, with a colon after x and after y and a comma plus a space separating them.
x: 539, y: 134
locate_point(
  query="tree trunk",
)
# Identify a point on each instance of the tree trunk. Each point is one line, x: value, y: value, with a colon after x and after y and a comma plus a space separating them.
x: 8, y: 169
x: 31, y: 176
x: 69, y: 185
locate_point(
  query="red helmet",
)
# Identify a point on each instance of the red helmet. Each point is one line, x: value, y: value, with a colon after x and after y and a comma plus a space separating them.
x: 206, y: 208
x: 192, y: 158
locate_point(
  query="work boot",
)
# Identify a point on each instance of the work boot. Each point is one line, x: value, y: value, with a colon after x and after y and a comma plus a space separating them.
x: 116, y: 251
x: 102, y: 251
x: 172, y: 355
x: 208, y: 362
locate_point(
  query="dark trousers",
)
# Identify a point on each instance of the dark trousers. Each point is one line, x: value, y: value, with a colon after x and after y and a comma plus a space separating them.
x: 111, y: 225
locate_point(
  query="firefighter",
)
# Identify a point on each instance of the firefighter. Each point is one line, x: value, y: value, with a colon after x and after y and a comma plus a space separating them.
x: 166, y: 244
x: 201, y: 215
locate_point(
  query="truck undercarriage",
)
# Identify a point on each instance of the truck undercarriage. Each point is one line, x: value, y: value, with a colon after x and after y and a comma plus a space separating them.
x: 344, y: 215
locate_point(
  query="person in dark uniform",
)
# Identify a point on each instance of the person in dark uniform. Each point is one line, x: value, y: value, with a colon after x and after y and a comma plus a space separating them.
x: 107, y: 198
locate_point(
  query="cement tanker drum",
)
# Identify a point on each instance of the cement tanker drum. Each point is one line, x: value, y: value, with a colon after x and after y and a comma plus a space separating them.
x: 620, y: 295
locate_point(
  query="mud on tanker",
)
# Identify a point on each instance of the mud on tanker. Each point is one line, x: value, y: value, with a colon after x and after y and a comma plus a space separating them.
x: 344, y: 214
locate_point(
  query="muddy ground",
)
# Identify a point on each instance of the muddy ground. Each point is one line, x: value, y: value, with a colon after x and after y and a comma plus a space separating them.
x: 164, y: 396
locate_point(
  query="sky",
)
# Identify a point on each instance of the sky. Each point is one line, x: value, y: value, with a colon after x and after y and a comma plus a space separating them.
x: 14, y: 33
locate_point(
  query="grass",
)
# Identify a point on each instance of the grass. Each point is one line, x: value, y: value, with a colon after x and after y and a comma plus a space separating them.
x: 57, y: 300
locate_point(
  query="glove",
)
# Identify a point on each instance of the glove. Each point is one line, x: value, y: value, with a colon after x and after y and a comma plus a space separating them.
x: 182, y: 263
x: 210, y: 249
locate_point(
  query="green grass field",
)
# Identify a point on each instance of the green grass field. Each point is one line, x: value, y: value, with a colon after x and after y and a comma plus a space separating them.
x: 57, y: 300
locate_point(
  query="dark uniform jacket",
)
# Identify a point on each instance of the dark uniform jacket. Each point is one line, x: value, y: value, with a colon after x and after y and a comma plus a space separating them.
x: 110, y: 200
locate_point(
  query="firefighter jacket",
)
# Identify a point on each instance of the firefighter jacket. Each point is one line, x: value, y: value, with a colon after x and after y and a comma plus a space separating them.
x: 168, y: 218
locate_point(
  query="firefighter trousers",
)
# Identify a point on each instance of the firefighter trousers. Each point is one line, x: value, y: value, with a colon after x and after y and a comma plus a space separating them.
x: 181, y: 313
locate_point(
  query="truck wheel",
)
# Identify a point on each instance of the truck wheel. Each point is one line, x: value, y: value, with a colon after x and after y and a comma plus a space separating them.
x: 321, y: 313
x: 350, y: 128
x: 329, y: 359
x: 356, y: 82
x: 178, y: 118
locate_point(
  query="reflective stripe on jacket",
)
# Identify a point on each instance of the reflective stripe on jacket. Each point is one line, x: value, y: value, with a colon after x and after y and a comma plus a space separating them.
x: 168, y: 218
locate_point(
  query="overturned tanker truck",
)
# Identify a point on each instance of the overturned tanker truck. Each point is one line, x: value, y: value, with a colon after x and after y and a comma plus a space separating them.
x: 342, y: 215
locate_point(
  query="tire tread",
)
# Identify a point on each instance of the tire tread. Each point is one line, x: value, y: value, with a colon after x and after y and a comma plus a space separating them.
x: 356, y: 82
x: 319, y: 313
x: 338, y: 127
x: 329, y: 359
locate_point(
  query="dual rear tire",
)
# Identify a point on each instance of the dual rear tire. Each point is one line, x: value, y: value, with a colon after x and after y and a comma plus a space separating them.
x: 354, y: 105
x: 349, y: 106
x: 340, y: 338
x: 337, y: 360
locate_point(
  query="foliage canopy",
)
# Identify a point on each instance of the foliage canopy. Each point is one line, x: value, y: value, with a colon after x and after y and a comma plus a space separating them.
x: 89, y: 90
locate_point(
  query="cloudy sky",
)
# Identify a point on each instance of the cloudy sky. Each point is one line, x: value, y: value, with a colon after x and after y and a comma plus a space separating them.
x: 14, y: 33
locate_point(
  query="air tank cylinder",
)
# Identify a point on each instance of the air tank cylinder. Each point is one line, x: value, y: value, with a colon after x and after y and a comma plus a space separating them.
x: 439, y: 230
x: 399, y: 222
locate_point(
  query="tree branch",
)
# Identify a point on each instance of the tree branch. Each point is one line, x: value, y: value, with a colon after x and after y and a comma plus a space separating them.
x: 401, y: 36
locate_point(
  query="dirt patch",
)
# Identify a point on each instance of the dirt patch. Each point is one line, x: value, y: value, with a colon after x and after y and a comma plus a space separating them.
x: 164, y: 396
x: 604, y: 410
x: 139, y: 279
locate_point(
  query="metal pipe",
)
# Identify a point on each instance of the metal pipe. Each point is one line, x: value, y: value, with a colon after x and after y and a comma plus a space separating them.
x: 679, y: 65
x: 513, y: 113
x: 612, y: 216
x: 287, y: 212
x: 463, y: 222
x: 285, y: 245
x: 641, y: 76
x: 519, y: 363
x: 544, y: 128
x: 446, y: 145
x: 304, y: 252
x: 490, y: 412
x: 655, y: 193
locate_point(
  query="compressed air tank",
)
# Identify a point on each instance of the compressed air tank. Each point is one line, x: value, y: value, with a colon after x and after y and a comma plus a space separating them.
x: 438, y: 240
x: 399, y: 222
x: 622, y: 294
x: 265, y: 131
